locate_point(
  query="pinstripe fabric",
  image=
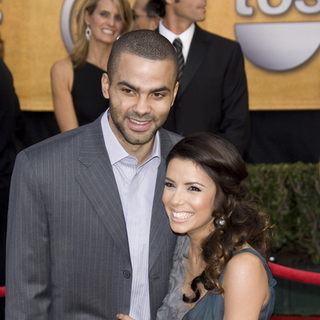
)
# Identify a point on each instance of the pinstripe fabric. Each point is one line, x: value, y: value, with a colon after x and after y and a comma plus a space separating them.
x: 136, y: 186
x: 67, y: 253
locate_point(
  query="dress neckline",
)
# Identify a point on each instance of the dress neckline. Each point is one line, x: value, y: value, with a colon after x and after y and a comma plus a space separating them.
x: 91, y: 64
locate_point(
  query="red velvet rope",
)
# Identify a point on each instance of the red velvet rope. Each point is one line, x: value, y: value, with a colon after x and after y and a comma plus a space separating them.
x: 294, y: 274
x: 276, y: 269
x: 2, y: 292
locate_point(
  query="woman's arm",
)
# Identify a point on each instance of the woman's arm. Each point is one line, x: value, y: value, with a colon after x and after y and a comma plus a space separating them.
x: 61, y: 84
x: 246, y: 288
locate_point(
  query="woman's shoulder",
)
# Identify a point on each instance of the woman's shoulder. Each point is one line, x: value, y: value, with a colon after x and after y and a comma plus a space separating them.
x: 62, y: 73
x: 62, y: 66
x: 245, y: 283
x: 247, y: 265
x: 246, y: 260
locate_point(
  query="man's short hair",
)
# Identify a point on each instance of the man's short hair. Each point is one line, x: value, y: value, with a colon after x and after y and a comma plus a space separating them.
x: 155, y: 8
x: 146, y: 44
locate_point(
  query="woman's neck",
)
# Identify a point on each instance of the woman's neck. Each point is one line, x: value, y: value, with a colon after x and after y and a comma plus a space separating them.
x: 98, y: 55
x: 196, y: 264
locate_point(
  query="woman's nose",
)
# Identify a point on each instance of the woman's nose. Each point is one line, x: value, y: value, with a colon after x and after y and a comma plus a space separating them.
x: 111, y: 20
x: 177, y: 198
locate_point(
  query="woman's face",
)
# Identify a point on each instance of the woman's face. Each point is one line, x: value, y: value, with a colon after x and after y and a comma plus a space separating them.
x: 188, y: 197
x: 105, y: 22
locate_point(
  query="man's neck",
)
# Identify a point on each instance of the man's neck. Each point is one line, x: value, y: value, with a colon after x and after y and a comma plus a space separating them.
x: 177, y: 26
x: 141, y: 152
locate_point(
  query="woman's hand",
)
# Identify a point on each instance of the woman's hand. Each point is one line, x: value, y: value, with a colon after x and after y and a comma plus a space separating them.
x: 121, y: 316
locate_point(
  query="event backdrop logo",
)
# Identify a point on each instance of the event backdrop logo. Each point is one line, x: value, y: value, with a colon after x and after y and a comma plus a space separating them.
x: 272, y: 46
x: 278, y: 46
x: 66, y: 23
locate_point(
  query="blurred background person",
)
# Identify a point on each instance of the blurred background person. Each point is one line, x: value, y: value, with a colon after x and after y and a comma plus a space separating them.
x: 1, y: 48
x: 147, y: 14
x: 213, y: 93
x: 76, y: 80
x: 11, y: 125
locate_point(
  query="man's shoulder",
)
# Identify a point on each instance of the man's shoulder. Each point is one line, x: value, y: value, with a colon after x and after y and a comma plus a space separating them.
x: 167, y: 140
x: 214, y: 38
x: 68, y: 142
x: 169, y: 137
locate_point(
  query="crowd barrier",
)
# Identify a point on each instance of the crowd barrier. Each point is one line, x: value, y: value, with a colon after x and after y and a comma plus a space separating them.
x: 294, y: 274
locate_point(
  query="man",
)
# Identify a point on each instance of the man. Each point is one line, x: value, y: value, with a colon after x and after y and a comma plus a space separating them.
x: 11, y: 126
x: 212, y: 93
x: 88, y: 235
x: 147, y: 14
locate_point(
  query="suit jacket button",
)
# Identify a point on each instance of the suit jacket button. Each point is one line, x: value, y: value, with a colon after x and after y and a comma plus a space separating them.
x: 126, y: 274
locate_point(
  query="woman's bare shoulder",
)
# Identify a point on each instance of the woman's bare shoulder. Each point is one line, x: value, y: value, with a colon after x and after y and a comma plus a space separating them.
x: 245, y: 267
x: 61, y: 74
x: 63, y: 66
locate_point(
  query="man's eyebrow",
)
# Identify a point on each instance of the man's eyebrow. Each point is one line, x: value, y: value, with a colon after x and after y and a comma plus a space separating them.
x: 126, y: 84
x: 164, y: 88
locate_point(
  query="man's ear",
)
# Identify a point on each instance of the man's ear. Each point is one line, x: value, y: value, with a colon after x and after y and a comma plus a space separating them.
x: 105, y: 85
x: 155, y: 23
x: 175, y: 91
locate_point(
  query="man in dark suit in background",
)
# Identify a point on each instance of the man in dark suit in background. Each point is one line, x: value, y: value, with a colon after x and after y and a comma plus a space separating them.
x: 11, y: 126
x: 212, y: 93
x: 88, y: 236
x: 147, y: 14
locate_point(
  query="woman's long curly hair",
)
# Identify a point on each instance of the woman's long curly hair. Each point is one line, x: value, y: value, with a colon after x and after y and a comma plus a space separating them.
x: 236, y: 220
x: 80, y: 50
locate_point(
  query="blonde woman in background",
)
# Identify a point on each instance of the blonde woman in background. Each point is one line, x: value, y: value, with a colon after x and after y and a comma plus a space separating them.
x: 76, y: 80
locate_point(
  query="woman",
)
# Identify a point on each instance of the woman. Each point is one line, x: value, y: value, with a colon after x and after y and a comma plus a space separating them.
x: 76, y: 80
x: 219, y: 268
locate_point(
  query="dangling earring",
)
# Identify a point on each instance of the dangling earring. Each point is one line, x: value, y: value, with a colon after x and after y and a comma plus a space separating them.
x: 222, y: 222
x: 88, y: 32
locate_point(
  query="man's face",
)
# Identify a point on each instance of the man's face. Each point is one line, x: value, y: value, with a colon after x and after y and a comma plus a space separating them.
x: 140, y: 18
x: 141, y: 94
x: 190, y: 10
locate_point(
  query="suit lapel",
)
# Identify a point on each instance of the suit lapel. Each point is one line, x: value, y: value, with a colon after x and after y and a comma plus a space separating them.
x: 160, y: 226
x: 99, y: 184
x: 196, y: 55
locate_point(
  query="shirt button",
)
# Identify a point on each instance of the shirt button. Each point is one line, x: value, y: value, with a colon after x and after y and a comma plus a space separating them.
x: 126, y: 274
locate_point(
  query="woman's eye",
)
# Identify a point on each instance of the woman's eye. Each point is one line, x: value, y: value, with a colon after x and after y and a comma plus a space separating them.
x: 168, y: 184
x: 193, y: 188
x: 117, y: 18
x: 105, y: 14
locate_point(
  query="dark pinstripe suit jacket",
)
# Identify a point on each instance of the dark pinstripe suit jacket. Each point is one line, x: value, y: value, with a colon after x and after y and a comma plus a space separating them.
x: 68, y: 253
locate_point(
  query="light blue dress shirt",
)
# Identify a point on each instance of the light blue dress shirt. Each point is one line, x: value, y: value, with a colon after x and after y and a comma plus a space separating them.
x: 136, y: 187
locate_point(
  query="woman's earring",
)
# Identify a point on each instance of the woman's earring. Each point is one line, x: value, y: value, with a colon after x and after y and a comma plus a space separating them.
x: 88, y: 32
x: 222, y: 222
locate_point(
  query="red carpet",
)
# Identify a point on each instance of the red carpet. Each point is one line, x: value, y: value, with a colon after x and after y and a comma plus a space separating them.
x: 294, y: 318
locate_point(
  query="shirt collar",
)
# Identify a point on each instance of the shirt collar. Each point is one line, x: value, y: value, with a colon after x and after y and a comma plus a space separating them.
x: 185, y: 37
x: 115, y: 150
